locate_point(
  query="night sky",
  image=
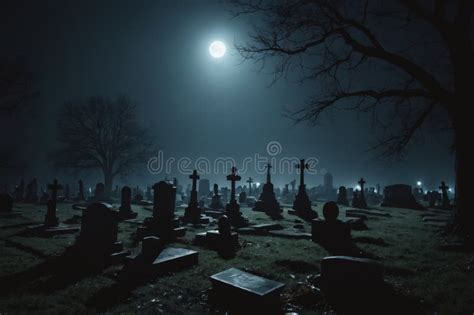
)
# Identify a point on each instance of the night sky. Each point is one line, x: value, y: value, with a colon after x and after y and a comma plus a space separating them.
x: 156, y: 52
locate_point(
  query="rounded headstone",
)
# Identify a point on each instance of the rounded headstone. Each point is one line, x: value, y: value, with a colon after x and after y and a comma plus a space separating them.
x: 330, y: 211
x: 224, y: 225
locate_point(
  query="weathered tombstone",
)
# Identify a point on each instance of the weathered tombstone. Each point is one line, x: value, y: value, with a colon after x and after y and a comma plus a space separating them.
x: 444, y: 192
x: 241, y: 292
x: 331, y: 233
x: 362, y: 203
x: 31, y: 195
x: 250, y: 181
x: 81, y: 196
x: 155, y: 259
x: 267, y: 202
x: 233, y: 208
x: 204, y: 188
x: 125, y: 210
x: 400, y: 196
x: 216, y: 199
x: 163, y: 223
x: 342, y: 196
x: 302, y: 204
x: 432, y: 198
x: 99, y: 193
x: 243, y: 197
x: 355, y: 199
x: 51, y: 219
x: 192, y: 213
x: 97, y: 244
x: 223, y: 240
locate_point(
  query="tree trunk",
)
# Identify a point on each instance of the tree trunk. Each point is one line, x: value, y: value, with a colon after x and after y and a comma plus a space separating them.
x: 108, y: 181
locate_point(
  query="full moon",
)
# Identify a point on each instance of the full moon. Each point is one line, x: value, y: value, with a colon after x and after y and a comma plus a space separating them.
x: 217, y: 49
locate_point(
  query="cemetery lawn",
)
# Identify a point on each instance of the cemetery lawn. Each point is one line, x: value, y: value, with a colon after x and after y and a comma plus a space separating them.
x: 432, y: 280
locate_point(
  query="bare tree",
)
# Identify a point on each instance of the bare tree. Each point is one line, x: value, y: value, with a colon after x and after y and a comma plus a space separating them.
x: 16, y: 86
x: 102, y: 134
x: 404, y: 61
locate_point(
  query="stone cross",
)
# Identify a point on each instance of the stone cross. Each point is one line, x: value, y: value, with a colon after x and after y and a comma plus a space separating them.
x: 54, y: 187
x: 233, y: 177
x: 194, y: 177
x: 302, y: 166
x: 250, y: 181
x: 269, y: 179
x: 361, y: 182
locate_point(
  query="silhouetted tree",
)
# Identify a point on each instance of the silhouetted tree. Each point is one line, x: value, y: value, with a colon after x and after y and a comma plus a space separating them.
x: 103, y: 134
x: 403, y: 61
x: 16, y: 87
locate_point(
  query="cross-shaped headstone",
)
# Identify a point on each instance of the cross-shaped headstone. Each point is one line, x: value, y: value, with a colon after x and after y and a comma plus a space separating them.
x: 250, y: 181
x: 54, y: 187
x: 194, y: 176
x: 361, y: 183
x: 269, y: 179
x: 302, y: 166
x: 233, y: 177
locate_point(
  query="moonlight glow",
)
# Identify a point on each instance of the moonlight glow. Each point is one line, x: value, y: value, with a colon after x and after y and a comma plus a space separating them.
x: 217, y: 49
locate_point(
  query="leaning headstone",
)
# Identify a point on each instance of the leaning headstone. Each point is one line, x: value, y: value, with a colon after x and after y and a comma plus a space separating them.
x: 163, y: 224
x: 342, y: 196
x: 267, y: 202
x: 156, y: 259
x: 242, y: 292
x: 97, y: 245
x: 125, y: 210
x: 233, y: 208
x: 302, y: 204
x: 400, y: 196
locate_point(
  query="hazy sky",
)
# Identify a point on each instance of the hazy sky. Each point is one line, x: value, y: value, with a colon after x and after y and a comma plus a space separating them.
x: 156, y: 52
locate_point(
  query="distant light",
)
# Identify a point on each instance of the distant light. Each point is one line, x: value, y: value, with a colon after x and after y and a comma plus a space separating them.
x: 418, y: 183
x: 357, y: 187
x: 375, y: 191
x: 217, y: 49
x: 450, y: 190
x: 257, y: 184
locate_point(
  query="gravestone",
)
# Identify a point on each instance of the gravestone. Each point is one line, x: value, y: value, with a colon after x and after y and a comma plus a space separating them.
x: 156, y: 259
x: 302, y: 204
x: 148, y: 194
x: 223, y: 240
x: 361, y: 202
x: 233, y: 208
x: 31, y: 195
x: 241, y: 292
x: 81, y: 196
x: 432, y: 198
x: 125, y: 210
x: 243, y: 197
x: 163, y: 223
x: 51, y: 219
x: 267, y: 202
x: 250, y: 181
x: 192, y: 213
x: 331, y: 233
x: 342, y: 196
x: 97, y: 245
x: 204, y: 188
x: 444, y: 192
x: 99, y: 192
x: 400, y: 196
x: 216, y: 199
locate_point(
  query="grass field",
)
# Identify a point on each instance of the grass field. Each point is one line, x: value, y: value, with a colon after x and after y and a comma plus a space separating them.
x: 433, y: 280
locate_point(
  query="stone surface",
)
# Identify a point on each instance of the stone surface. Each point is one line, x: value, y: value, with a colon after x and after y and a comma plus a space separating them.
x: 400, y: 196
x: 237, y: 289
